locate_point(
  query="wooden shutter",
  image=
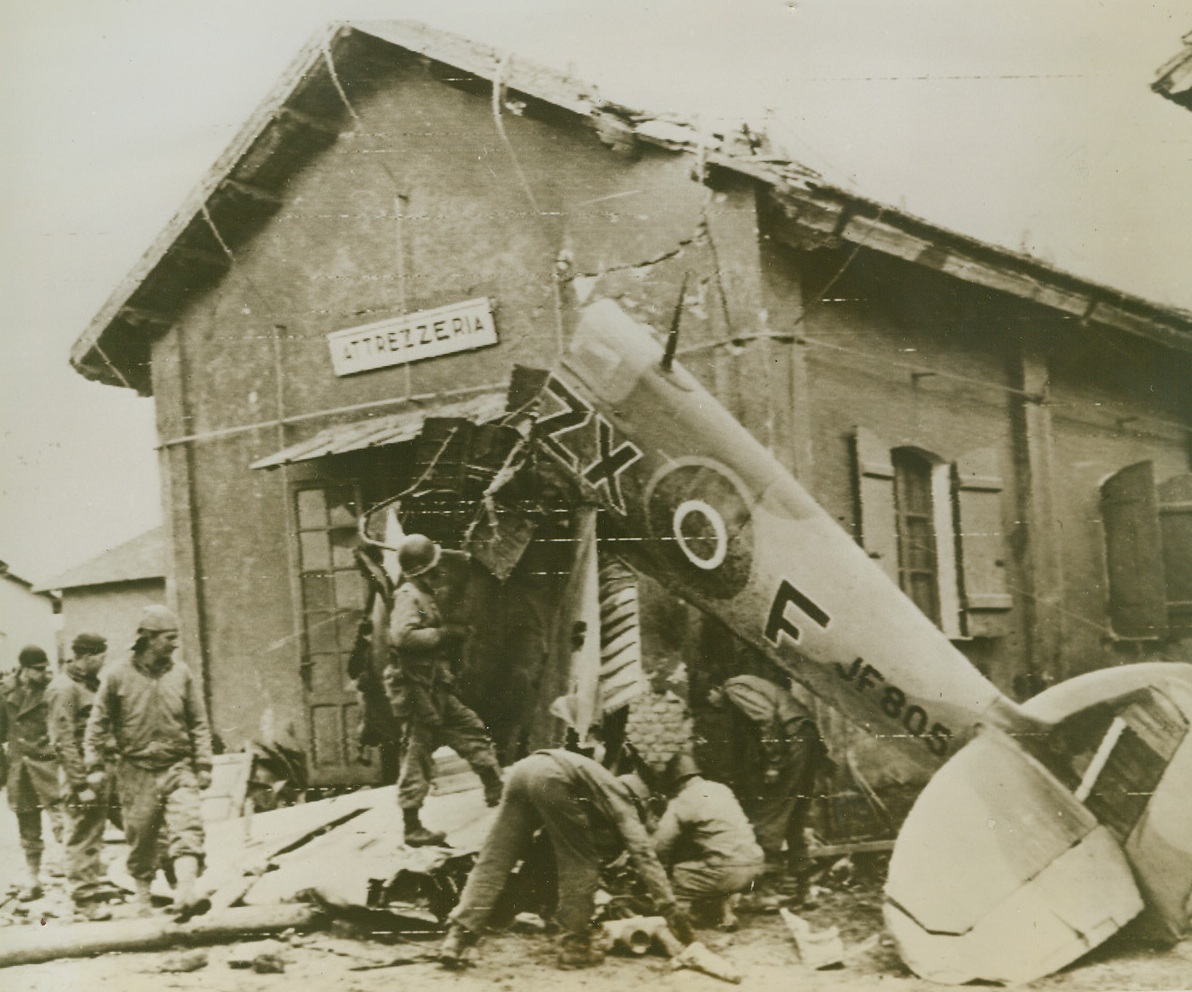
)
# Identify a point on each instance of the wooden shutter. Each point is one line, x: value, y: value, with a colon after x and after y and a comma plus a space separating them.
x: 875, y: 500
x: 1175, y: 527
x: 981, y: 543
x: 1134, y: 553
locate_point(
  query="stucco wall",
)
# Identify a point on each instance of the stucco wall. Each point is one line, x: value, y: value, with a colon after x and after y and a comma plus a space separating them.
x: 25, y: 618
x: 111, y: 610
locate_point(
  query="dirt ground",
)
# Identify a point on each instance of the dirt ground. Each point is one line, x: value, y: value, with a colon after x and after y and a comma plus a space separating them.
x: 354, y: 961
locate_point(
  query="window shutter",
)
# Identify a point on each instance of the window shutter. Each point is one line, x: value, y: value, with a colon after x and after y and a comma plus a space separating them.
x: 980, y: 539
x: 875, y: 500
x: 1134, y: 553
x: 1175, y: 527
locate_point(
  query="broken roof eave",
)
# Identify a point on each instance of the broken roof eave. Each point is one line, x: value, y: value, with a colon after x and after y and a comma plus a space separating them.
x: 1175, y: 78
x: 828, y: 214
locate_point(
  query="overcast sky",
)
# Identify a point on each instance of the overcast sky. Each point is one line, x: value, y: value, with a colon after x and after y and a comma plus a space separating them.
x: 1026, y: 123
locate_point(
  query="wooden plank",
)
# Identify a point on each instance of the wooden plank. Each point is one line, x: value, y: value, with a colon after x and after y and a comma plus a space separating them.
x: 33, y: 944
x: 855, y: 847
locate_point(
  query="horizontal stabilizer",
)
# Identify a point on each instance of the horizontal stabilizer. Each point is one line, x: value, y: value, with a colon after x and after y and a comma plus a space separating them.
x: 1001, y: 874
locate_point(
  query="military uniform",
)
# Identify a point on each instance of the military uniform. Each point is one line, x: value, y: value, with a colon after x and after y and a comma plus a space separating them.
x: 70, y: 696
x: 153, y: 719
x: 708, y: 842
x: 590, y: 817
x: 775, y: 790
x: 420, y: 683
x: 33, y: 773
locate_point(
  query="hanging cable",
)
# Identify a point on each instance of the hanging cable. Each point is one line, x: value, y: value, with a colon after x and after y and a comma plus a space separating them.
x: 339, y: 88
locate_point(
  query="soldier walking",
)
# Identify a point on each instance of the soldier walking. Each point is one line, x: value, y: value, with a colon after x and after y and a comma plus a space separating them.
x: 70, y: 695
x: 150, y: 716
x: 32, y: 765
x: 420, y: 683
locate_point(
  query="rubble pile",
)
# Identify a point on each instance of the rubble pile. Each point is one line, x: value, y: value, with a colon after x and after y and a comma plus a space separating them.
x: 659, y: 727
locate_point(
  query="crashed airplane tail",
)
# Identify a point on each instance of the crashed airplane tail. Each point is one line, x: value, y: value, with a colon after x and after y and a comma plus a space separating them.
x: 700, y: 505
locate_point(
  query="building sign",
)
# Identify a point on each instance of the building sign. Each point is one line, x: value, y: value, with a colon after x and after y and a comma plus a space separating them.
x: 414, y: 336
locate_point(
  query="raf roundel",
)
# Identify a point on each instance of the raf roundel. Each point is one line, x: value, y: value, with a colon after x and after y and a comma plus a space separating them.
x: 701, y: 534
x: 701, y: 526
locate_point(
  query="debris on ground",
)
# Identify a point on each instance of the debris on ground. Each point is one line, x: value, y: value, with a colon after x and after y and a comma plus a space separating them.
x: 262, y: 956
x: 698, y: 957
x: 185, y: 962
x: 818, y: 949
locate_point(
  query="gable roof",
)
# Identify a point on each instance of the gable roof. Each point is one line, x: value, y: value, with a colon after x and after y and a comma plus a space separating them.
x: 142, y: 557
x: 309, y: 108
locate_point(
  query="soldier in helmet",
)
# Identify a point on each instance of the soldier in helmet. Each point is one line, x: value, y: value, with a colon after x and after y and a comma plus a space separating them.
x: 706, y: 842
x: 590, y: 817
x: 149, y: 715
x: 420, y: 683
x: 775, y: 787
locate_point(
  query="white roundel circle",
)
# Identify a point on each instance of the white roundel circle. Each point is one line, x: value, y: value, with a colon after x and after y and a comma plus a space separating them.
x: 701, y: 534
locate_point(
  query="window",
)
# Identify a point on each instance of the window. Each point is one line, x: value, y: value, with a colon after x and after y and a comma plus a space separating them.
x: 1148, y: 552
x: 936, y: 529
x: 918, y: 573
x: 333, y: 598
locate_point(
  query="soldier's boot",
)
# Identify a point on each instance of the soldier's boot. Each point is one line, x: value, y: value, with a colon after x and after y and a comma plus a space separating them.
x: 32, y: 888
x: 454, y: 951
x: 188, y: 900
x: 142, y: 900
x: 416, y: 835
x: 490, y: 778
x: 91, y: 912
x: 579, y: 950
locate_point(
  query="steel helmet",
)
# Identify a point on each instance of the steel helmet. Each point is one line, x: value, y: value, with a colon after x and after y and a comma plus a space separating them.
x: 418, y: 554
x: 636, y: 785
x: 156, y: 618
x: 679, y: 769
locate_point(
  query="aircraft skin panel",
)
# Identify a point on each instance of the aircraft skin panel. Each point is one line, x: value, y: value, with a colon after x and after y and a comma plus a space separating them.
x: 995, y: 817
x: 1160, y: 846
x: 723, y: 524
x: 1075, y: 903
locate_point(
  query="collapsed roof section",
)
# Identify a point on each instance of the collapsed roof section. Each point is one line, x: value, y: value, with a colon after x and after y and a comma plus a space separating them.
x: 309, y: 109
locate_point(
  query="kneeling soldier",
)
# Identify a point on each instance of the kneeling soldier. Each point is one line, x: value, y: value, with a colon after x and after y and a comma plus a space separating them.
x: 707, y: 842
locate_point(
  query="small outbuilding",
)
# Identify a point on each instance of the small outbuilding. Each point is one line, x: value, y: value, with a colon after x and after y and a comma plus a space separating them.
x: 106, y: 594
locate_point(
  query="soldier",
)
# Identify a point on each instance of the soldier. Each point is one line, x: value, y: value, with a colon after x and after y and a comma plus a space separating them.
x: 32, y: 765
x: 706, y: 842
x: 591, y: 817
x: 70, y: 697
x: 420, y: 683
x: 149, y: 714
x: 775, y: 789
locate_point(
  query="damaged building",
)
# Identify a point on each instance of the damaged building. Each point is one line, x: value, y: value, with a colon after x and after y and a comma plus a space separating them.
x: 329, y: 328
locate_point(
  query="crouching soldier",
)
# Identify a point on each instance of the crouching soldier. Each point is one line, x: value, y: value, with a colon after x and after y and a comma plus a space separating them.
x: 70, y: 696
x: 776, y: 788
x: 420, y: 683
x: 32, y: 765
x: 149, y: 713
x: 707, y: 843
x: 591, y: 817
